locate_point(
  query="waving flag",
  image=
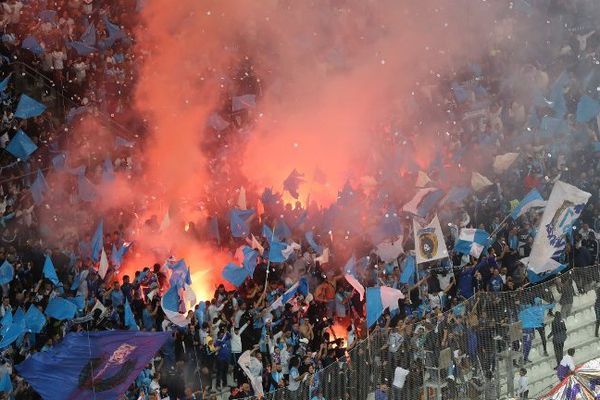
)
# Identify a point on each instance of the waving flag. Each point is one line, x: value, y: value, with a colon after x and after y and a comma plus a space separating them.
x: 479, y: 182
x: 249, y: 262
x: 282, y: 230
x: 238, y: 222
x: 429, y: 241
x: 7, y: 273
x: 103, y: 265
x: 244, y: 102
x: 587, y: 109
x: 180, y: 274
x: 173, y: 304
x: 423, y: 202
x: 276, y: 250
x: 299, y: 287
x: 12, y: 328
x: 34, y: 319
x: 30, y: 43
x: 21, y: 146
x: 5, y: 383
x: 38, y: 188
x: 504, y: 161
x: 89, y: 35
x: 533, y: 316
x: 456, y: 195
x: 235, y: 274
x: 91, y: 365
x: 292, y: 183
x: 356, y: 285
x: 310, y: 238
x: 61, y: 309
x: 472, y: 242
x: 380, y: 298
x: 564, y: 207
x: 268, y: 234
x: 86, y: 190
x: 28, y: 107
x: 256, y: 245
x: 49, y: 271
x: 217, y: 122
x: 389, y: 251
x: 533, y: 199
x: 97, y: 241
x: 409, y: 271
x: 128, y: 317
x: 4, y: 84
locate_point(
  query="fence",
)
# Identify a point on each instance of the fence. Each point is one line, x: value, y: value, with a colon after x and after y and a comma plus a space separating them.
x: 473, y: 351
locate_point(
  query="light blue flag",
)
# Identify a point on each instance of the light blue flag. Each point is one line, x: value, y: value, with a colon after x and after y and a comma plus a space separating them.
x: 7, y: 273
x: 47, y: 16
x: 213, y: 229
x: 171, y: 300
x: 74, y: 112
x: 234, y: 274
x: 5, y: 383
x: 310, y: 238
x: 531, y: 200
x: 114, y: 32
x: 116, y: 256
x: 108, y: 172
x: 4, y: 83
x: 249, y: 262
x: 587, y: 109
x: 535, y: 278
x: 98, y: 241
x: 292, y: 183
x: 299, y: 287
x: 456, y: 195
x: 374, y: 306
x: 38, y: 188
x: 282, y: 231
x: 35, y: 320
x: 13, y: 331
x: 76, y: 282
x: 552, y: 126
x: 268, y: 234
x: 121, y: 142
x: 472, y: 242
x: 460, y: 93
x: 81, y: 48
x: 217, y: 122
x: 533, y: 316
x: 61, y: 309
x: 238, y: 222
x: 244, y: 102
x: 86, y: 190
x: 28, y: 107
x: 49, y: 271
x: 79, y: 302
x: 30, y: 43
x: 21, y: 146
x: 276, y: 251
x: 129, y: 318
x: 5, y: 323
x: 59, y: 161
x: 89, y: 36
x: 409, y: 271
x: 180, y: 274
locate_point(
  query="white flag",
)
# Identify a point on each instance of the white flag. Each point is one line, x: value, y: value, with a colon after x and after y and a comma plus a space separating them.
x: 323, y: 258
x: 390, y: 251
x: 479, y: 182
x: 564, y: 206
x: 103, y: 268
x: 356, y: 285
x: 257, y: 246
x: 422, y: 180
x: 504, y: 161
x: 241, y: 203
x: 164, y: 225
x: 429, y: 241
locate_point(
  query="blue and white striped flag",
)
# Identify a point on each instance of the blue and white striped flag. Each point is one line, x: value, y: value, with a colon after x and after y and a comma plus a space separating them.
x: 300, y: 286
x: 472, y: 241
x: 531, y: 200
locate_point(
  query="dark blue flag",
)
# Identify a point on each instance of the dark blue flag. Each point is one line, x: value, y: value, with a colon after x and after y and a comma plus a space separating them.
x: 91, y: 365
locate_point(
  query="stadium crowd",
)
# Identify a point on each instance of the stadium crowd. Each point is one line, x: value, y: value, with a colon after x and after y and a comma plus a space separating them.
x: 237, y: 343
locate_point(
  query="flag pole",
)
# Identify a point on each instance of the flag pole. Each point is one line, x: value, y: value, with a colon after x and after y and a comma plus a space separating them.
x: 269, y: 261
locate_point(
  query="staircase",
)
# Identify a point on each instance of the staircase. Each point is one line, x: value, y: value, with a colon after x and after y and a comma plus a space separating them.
x: 580, y: 336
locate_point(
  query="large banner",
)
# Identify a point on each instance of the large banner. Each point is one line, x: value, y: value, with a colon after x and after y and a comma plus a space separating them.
x: 564, y: 206
x: 91, y: 365
x: 429, y: 241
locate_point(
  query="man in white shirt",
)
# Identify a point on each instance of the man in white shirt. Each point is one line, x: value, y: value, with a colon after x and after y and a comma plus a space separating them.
x: 567, y: 365
x: 236, y: 351
x: 523, y: 385
x: 400, y: 375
